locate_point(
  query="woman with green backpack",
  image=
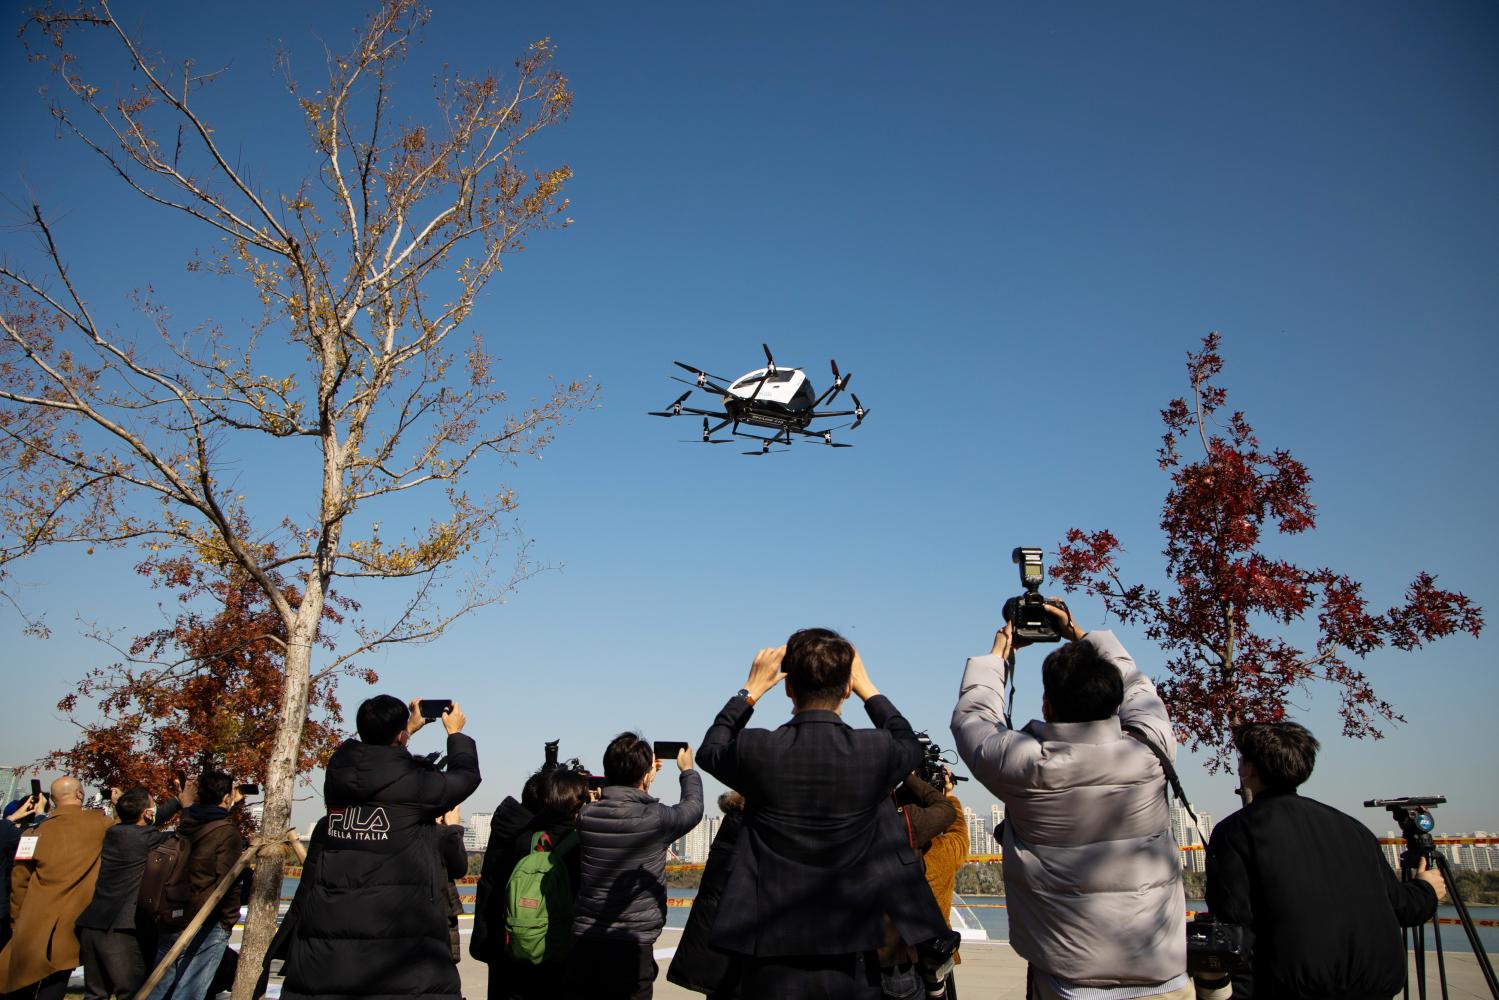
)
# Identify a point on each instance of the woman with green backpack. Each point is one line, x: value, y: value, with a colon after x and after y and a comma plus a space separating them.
x: 530, y: 914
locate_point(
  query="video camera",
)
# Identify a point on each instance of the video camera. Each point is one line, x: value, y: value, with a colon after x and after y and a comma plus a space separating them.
x: 1027, y: 612
x: 550, y: 750
x: 934, y: 762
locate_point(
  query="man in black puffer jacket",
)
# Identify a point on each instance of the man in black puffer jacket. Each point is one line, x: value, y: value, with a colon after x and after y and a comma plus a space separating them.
x: 372, y: 914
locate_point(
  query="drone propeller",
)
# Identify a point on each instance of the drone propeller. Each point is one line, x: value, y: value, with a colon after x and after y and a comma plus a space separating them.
x: 839, y: 381
x: 859, y: 413
x: 699, y: 373
x: 674, y: 408
x: 827, y: 439
x: 709, y: 386
x: 770, y: 362
x: 708, y: 437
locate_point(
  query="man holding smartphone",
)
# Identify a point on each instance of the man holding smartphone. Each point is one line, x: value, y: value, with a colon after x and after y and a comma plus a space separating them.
x: 621, y: 905
x: 371, y: 914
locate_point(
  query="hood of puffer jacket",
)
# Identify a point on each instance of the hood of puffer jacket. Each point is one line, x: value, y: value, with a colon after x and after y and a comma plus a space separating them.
x: 359, y: 772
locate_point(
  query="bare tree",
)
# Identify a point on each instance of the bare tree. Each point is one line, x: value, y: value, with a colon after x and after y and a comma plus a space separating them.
x: 365, y: 273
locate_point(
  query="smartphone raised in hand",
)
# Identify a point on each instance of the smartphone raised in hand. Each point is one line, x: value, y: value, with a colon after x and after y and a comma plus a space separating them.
x: 249, y: 789
x: 433, y: 709
x: 668, y: 749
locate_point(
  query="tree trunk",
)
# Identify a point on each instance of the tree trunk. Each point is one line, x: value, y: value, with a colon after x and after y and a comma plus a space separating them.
x: 260, y: 924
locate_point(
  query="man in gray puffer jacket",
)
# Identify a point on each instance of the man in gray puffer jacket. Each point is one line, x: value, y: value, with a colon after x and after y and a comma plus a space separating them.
x: 1091, y: 871
x: 621, y: 905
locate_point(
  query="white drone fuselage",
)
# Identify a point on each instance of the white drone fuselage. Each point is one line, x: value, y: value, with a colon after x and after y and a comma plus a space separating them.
x: 785, y: 395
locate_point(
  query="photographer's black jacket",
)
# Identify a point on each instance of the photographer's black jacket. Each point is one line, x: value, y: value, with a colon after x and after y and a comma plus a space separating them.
x: 1324, y: 907
x: 371, y: 916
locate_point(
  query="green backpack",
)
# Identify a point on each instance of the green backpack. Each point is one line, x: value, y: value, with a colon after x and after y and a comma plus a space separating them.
x: 539, y: 902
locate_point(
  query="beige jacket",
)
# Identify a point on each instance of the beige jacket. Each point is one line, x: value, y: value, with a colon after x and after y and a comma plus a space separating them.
x: 1092, y: 876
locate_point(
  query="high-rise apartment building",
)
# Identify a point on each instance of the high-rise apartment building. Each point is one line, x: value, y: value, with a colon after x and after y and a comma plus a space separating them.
x: 979, y: 840
x: 694, y: 847
x: 13, y: 785
x: 996, y: 817
x: 1185, y: 833
x: 476, y: 832
x: 1391, y: 851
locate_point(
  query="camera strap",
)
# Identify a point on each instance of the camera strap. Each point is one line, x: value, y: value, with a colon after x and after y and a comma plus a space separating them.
x: 1174, y: 785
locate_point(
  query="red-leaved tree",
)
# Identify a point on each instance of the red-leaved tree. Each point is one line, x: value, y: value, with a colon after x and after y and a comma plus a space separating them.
x: 204, y: 692
x: 1219, y: 618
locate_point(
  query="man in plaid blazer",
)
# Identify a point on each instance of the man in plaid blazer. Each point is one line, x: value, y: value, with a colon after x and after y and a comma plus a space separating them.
x: 823, y: 857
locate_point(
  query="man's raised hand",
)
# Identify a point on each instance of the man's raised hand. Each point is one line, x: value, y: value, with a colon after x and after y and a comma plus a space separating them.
x: 859, y: 679
x: 1064, y: 623
x: 765, y: 672
x: 415, y: 721
x: 453, y: 719
x: 1004, y: 641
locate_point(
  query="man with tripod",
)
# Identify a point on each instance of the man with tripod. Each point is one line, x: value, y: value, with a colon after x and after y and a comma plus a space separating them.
x: 1311, y: 884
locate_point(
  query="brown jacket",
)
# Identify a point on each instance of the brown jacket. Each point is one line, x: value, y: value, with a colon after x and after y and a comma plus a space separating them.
x: 48, y: 892
x: 946, y: 857
x: 216, y: 847
x: 937, y: 828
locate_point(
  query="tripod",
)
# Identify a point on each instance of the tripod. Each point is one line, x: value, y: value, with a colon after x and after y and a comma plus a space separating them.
x: 1416, y: 823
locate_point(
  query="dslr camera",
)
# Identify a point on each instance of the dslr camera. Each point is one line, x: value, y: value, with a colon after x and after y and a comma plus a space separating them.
x: 1027, y: 612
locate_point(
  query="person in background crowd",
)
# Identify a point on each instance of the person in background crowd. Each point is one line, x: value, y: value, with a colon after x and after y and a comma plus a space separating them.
x: 926, y: 814
x: 947, y: 853
x: 1266, y: 861
x: 114, y: 949
x: 697, y: 965
x: 562, y: 793
x: 487, y: 942
x: 820, y: 863
x: 372, y: 908
x: 621, y: 904
x: 51, y: 883
x: 1092, y: 876
x: 944, y: 856
x: 20, y: 815
x: 455, y: 860
x: 216, y: 846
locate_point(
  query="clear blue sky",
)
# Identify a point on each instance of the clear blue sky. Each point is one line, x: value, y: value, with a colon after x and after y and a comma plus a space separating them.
x: 1011, y: 222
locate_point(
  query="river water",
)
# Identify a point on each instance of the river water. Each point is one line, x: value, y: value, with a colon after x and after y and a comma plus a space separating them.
x: 989, y: 913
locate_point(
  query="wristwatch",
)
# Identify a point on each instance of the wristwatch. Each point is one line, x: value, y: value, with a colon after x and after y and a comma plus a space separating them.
x: 745, y: 694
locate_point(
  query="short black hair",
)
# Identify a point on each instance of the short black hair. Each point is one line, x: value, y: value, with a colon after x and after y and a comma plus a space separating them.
x: 131, y: 806
x: 1080, y: 685
x: 627, y: 759
x: 818, y: 664
x: 381, y: 719
x: 214, y: 787
x: 531, y: 791
x: 563, y: 792
x: 1283, y: 753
